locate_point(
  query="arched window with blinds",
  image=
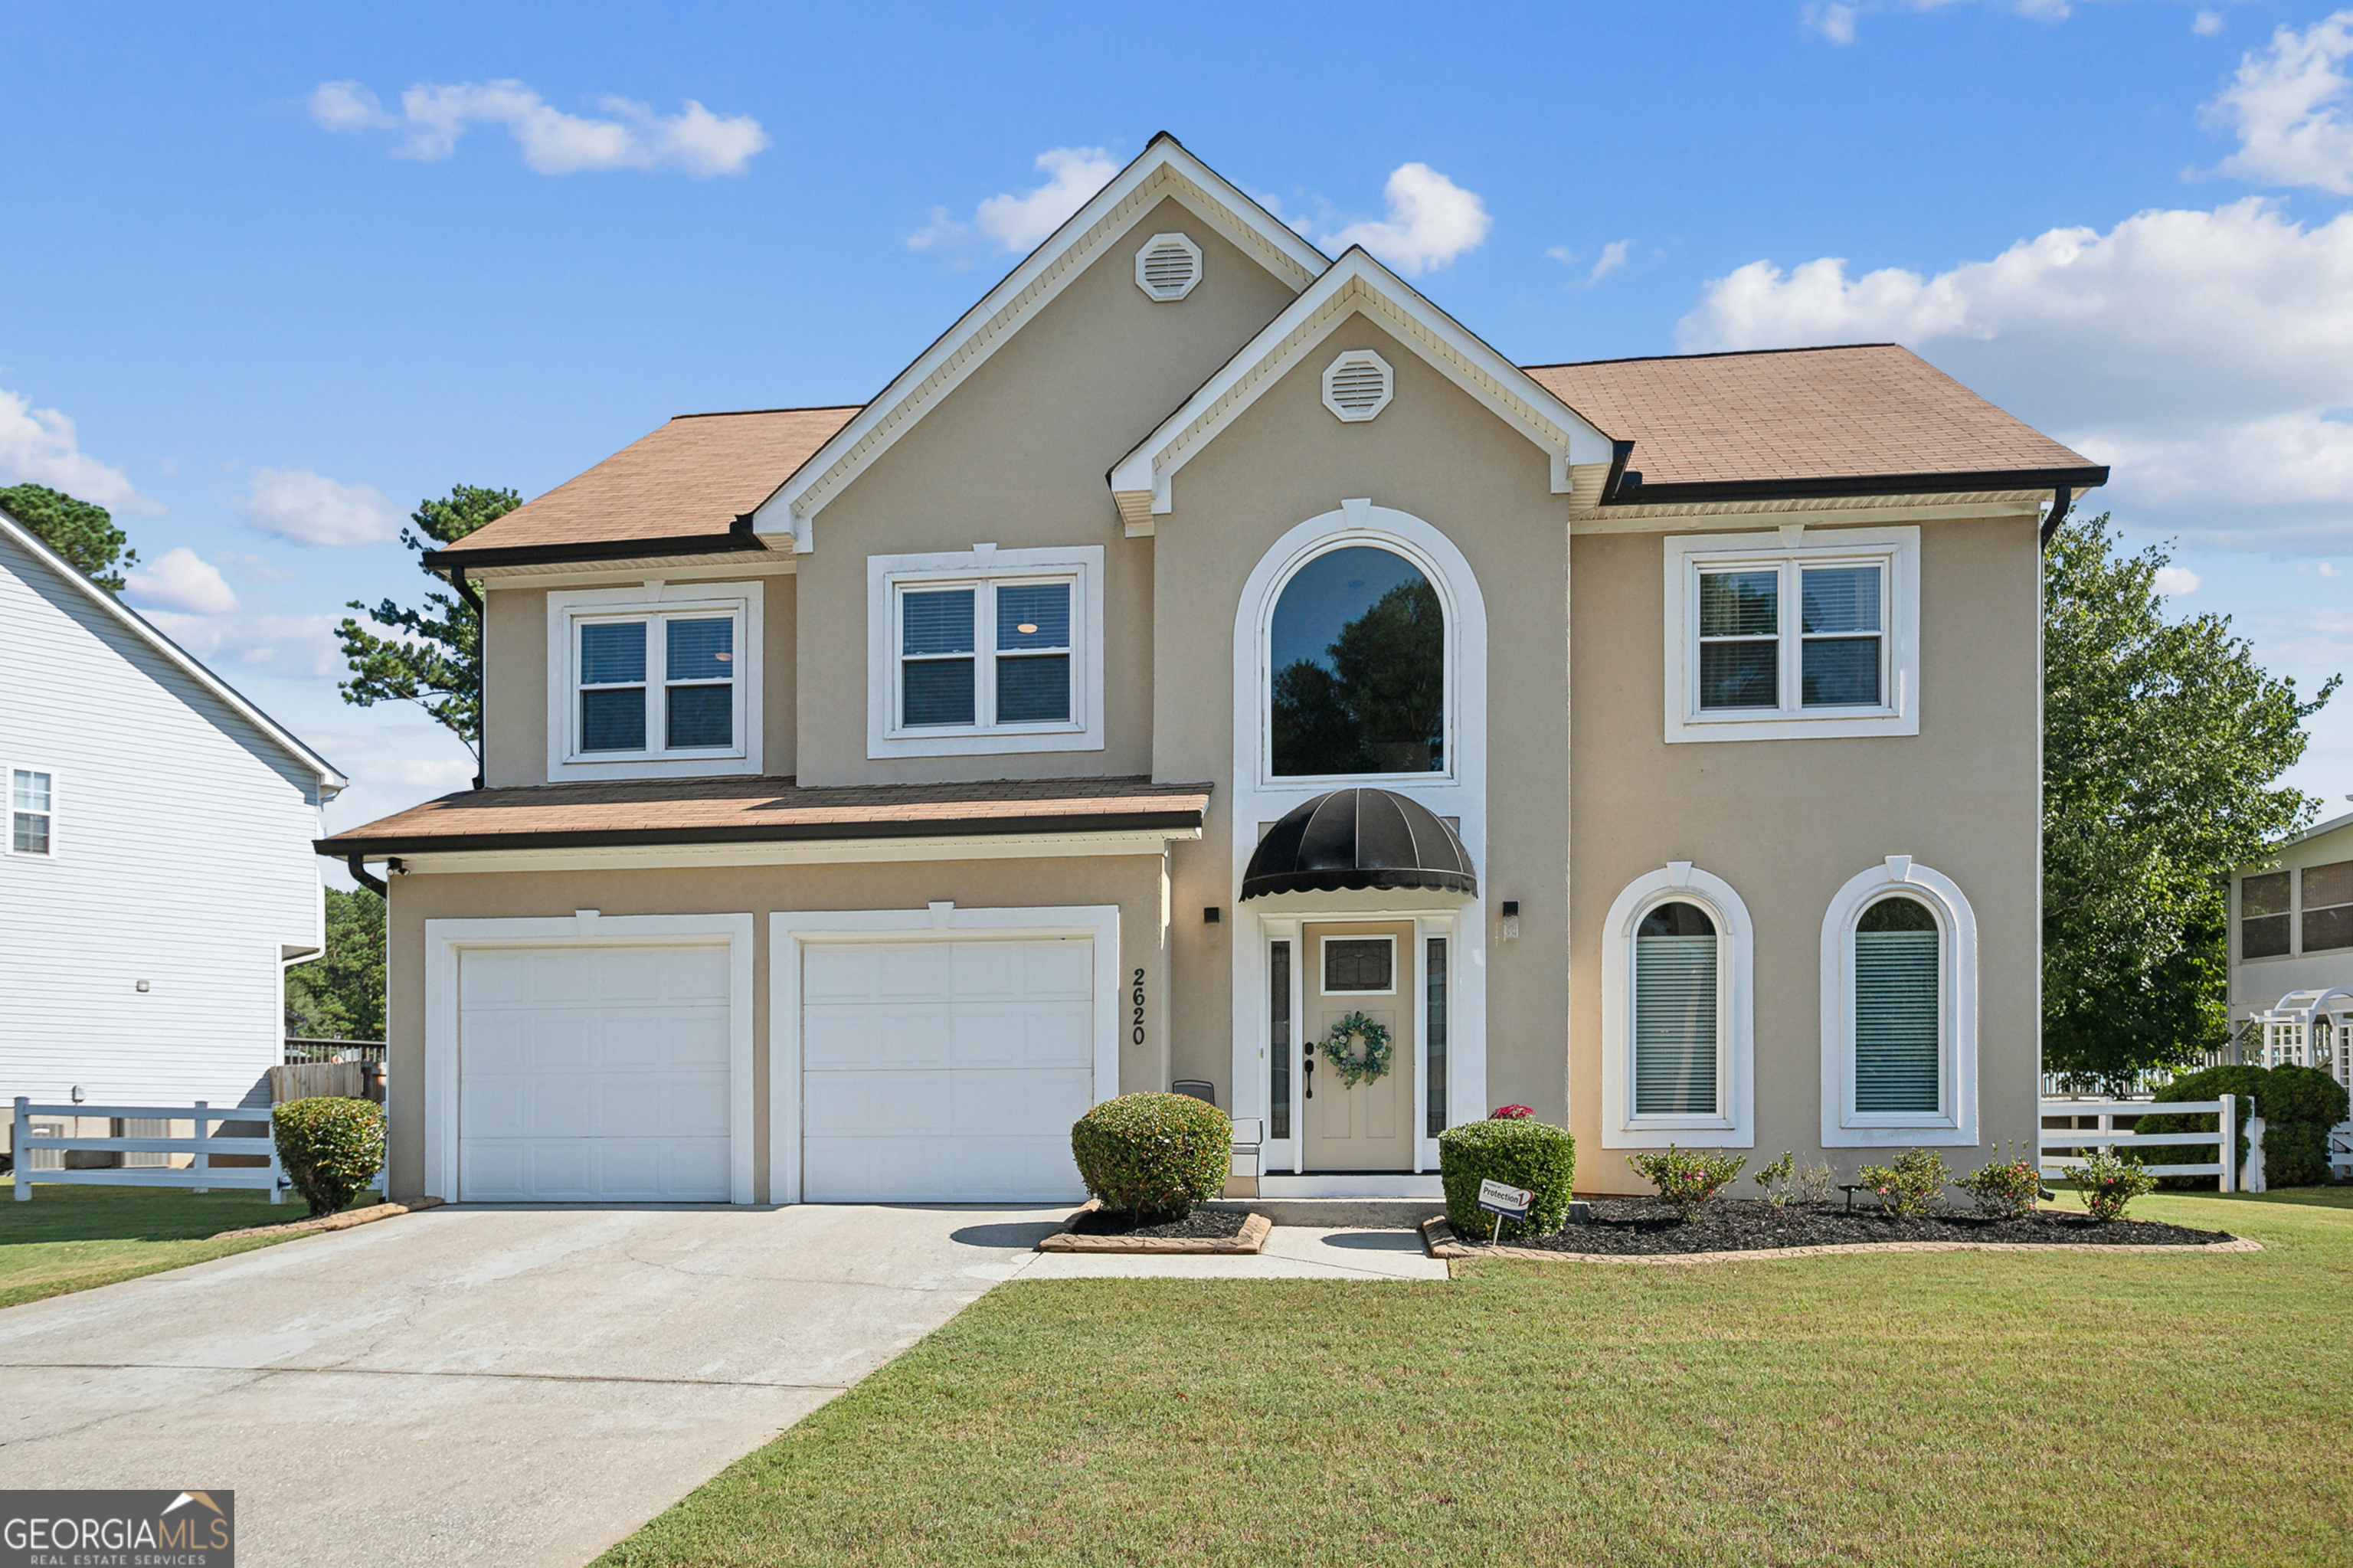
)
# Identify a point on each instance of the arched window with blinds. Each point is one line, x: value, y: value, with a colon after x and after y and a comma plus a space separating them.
x: 1678, y: 1034
x: 1898, y: 1012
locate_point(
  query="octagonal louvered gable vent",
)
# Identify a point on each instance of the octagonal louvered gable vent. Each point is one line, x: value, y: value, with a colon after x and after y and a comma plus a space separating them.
x: 1357, y: 386
x: 1168, y: 267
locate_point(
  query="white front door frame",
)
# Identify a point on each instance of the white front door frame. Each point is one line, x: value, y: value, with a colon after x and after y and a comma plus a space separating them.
x: 790, y: 930
x: 444, y: 940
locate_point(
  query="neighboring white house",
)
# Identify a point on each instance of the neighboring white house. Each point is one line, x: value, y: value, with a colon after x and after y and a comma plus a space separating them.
x: 2292, y: 919
x: 157, y: 874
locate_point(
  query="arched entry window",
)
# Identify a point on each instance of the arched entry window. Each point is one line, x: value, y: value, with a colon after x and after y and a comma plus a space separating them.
x: 1358, y: 671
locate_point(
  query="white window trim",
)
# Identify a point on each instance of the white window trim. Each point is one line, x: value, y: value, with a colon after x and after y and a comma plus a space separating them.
x: 1083, y: 563
x: 1686, y: 556
x: 1679, y: 882
x: 444, y: 940
x: 566, y: 610
x: 1323, y: 975
x: 791, y: 931
x: 1956, y: 1124
x: 8, y: 827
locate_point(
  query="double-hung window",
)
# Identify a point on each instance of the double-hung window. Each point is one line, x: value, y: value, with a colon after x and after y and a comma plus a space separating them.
x: 1795, y: 634
x: 646, y: 684
x: 31, y: 812
x: 992, y: 651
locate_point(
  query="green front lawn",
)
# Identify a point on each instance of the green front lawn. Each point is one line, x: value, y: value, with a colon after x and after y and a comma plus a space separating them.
x: 71, y: 1238
x: 1994, y: 1408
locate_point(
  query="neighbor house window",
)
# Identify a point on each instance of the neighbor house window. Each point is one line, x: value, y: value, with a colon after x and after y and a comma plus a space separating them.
x: 994, y: 650
x: 2327, y: 906
x: 2266, y: 928
x: 1676, y: 1013
x: 654, y: 680
x: 1358, y: 669
x: 29, y: 811
x: 1775, y: 637
x: 1899, y: 1010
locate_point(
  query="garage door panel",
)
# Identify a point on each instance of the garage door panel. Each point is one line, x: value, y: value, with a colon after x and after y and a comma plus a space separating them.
x: 1025, y: 1104
x: 868, y: 1103
x: 877, y: 1035
x: 1044, y: 1035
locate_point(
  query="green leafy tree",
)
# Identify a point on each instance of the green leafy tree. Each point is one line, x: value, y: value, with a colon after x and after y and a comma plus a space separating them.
x: 340, y: 996
x: 2161, y: 742
x: 436, y: 658
x: 81, y: 531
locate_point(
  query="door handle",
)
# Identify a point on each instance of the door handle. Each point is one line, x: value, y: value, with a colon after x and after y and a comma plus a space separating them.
x: 1307, y: 1078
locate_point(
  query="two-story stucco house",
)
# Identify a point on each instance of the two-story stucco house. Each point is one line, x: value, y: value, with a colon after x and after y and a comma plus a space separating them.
x: 156, y: 872
x: 1207, y: 641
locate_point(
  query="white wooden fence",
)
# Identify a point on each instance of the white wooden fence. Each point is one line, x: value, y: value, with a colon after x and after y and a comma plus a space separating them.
x: 2068, y: 1142
x: 202, y: 1175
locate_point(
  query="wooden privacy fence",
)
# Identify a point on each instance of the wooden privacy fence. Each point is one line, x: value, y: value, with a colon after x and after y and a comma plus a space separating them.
x: 2062, y: 1146
x: 201, y: 1175
x: 306, y: 1080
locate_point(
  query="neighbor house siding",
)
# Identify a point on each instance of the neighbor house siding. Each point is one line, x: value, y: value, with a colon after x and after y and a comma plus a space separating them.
x: 182, y: 857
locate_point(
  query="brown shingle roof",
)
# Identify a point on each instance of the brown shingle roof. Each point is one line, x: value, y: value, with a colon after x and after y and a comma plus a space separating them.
x: 691, y: 477
x: 1798, y: 414
x: 719, y: 810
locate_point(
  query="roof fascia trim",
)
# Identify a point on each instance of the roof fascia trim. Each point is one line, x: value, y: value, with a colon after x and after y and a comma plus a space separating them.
x: 1356, y: 283
x: 735, y: 541
x: 1064, y: 823
x: 1163, y: 169
x: 331, y: 781
x: 1959, y: 482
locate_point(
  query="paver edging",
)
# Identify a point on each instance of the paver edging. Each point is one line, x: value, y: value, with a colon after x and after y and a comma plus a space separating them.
x: 1250, y: 1239
x: 1437, y: 1237
x: 342, y: 1221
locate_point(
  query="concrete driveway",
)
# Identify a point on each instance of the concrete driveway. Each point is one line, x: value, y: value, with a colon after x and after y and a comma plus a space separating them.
x: 517, y: 1386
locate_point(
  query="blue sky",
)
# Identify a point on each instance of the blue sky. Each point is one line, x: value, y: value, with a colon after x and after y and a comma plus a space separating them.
x: 272, y: 276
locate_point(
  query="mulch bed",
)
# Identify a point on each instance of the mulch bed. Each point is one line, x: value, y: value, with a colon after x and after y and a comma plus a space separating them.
x: 1201, y: 1225
x: 1649, y: 1226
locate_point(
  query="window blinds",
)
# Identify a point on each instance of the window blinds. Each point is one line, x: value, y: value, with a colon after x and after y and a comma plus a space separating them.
x: 1895, y: 1014
x: 1674, y: 1026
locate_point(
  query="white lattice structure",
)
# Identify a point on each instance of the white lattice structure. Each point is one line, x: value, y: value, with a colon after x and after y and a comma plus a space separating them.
x: 2312, y: 1029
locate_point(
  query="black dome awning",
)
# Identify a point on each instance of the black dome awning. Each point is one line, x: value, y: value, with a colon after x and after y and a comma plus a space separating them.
x: 1358, y: 839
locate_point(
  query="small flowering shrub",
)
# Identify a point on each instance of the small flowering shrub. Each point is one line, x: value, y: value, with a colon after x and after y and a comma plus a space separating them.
x: 1687, y: 1178
x: 1776, y: 1179
x: 2005, y: 1189
x: 1815, y: 1184
x: 329, y: 1148
x: 1909, y: 1187
x: 1510, y: 1113
x: 2110, y: 1181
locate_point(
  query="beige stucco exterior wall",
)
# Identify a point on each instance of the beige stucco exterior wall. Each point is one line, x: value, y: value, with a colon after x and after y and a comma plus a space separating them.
x: 1439, y: 454
x: 515, y: 663
x: 1016, y: 457
x: 1787, y: 822
x: 2258, y: 983
x: 1132, y: 882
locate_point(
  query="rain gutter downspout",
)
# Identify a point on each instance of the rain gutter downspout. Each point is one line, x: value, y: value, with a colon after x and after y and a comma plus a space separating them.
x: 364, y: 878
x: 2062, y: 499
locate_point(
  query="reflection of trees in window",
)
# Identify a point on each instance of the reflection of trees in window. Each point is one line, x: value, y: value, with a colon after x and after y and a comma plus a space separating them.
x: 1376, y: 703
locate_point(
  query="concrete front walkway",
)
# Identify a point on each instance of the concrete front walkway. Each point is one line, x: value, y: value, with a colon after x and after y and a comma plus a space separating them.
x: 473, y: 1386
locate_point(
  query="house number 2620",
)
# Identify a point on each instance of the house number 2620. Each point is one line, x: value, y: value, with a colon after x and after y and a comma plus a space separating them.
x: 1135, y: 1036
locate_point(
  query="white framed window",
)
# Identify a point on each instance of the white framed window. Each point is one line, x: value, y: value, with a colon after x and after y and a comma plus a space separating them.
x: 653, y: 680
x: 1793, y: 634
x: 1359, y: 966
x: 1359, y: 667
x: 1899, y: 991
x: 32, y: 811
x: 1677, y: 1013
x: 985, y: 650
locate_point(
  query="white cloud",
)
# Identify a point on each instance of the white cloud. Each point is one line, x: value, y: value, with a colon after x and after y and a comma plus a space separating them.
x: 1613, y: 256
x: 2175, y: 581
x: 2288, y: 105
x: 1016, y: 221
x: 1835, y: 22
x: 1431, y: 221
x: 180, y: 579
x: 2207, y: 355
x: 2206, y: 24
x: 553, y: 143
x: 310, y: 509
x: 38, y: 445
x: 298, y: 646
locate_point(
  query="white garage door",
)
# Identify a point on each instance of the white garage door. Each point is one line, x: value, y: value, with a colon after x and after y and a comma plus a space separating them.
x: 945, y: 1070
x: 589, y: 1074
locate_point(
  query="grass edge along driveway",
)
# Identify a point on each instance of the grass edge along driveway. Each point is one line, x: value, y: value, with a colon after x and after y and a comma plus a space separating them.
x: 1994, y: 1408
x: 77, y: 1238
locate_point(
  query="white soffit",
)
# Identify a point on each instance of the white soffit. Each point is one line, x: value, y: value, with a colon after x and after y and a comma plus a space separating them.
x: 1144, y: 482
x: 1165, y: 170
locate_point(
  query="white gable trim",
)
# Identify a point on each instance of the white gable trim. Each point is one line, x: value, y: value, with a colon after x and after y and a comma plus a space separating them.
x: 330, y: 782
x: 1163, y: 171
x: 1144, y: 481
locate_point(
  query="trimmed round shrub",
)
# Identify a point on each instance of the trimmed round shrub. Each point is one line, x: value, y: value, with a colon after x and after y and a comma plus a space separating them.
x: 2298, y: 1106
x: 331, y: 1148
x: 1518, y: 1151
x: 1154, y: 1154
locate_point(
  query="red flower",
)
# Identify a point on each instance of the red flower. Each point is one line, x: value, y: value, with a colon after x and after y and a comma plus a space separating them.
x: 1510, y: 1113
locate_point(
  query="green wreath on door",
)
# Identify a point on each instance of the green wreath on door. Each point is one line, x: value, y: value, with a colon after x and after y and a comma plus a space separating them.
x: 1358, y: 1067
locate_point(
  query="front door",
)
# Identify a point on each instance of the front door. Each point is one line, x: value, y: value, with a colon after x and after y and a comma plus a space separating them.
x: 1359, y: 967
